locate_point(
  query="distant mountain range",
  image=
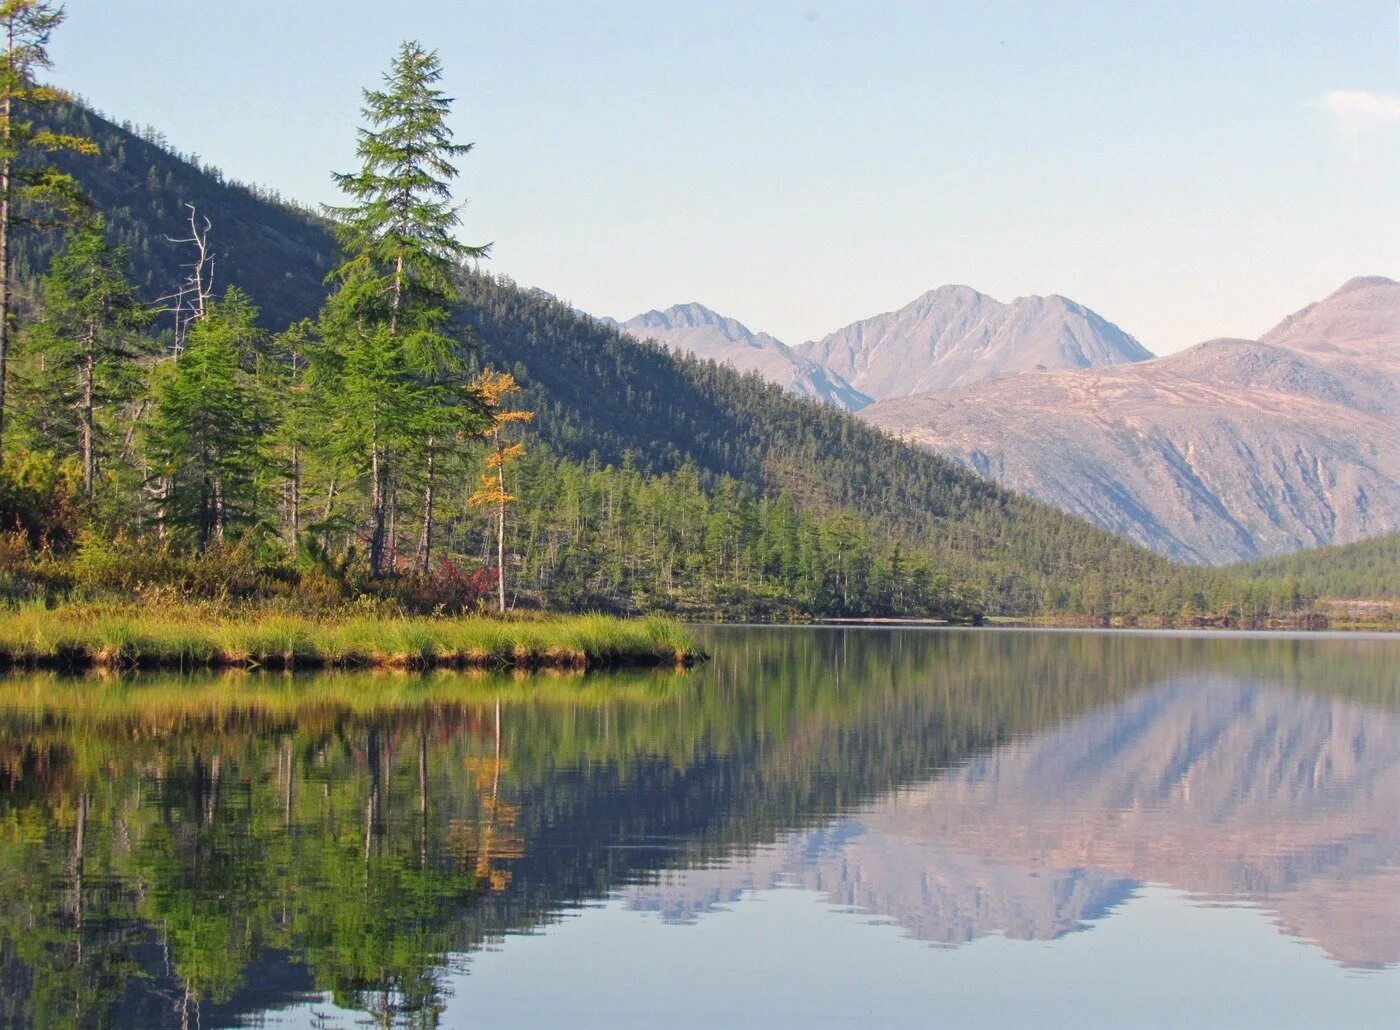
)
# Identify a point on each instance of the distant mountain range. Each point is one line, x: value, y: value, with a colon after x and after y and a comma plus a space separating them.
x: 951, y: 336
x: 697, y: 330
x: 1228, y: 450
x: 1233, y: 449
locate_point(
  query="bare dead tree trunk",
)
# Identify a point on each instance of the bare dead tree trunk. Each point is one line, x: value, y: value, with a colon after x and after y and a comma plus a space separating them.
x: 294, y: 496
x: 6, y: 127
x: 194, y: 293
x: 89, y: 452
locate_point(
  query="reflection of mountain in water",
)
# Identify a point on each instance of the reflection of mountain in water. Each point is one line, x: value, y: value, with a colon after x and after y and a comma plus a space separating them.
x: 1224, y: 789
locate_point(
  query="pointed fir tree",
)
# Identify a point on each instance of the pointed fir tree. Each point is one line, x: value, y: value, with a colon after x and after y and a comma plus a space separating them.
x: 205, y: 436
x: 89, y: 342
x: 398, y: 375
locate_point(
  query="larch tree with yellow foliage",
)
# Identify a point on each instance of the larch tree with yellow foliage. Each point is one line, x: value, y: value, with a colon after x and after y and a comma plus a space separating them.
x: 491, y: 388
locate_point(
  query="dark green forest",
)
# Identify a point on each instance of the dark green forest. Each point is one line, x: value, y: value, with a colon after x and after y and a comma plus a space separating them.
x: 649, y: 480
x: 1366, y: 568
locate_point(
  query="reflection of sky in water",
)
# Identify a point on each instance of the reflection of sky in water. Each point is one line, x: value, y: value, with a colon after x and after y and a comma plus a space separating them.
x: 785, y: 958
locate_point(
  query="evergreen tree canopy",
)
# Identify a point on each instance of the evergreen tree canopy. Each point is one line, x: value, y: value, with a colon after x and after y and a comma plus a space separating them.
x: 205, y: 439
x: 398, y: 377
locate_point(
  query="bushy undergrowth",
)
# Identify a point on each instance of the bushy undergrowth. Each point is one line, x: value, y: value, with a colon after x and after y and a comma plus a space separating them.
x: 142, y: 569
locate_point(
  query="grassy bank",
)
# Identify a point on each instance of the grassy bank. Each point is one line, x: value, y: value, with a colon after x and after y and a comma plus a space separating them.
x: 195, y: 637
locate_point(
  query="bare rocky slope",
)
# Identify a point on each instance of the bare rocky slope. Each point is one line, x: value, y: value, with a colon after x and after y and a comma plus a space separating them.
x: 948, y: 337
x: 1232, y: 449
x: 955, y: 336
x: 695, y: 329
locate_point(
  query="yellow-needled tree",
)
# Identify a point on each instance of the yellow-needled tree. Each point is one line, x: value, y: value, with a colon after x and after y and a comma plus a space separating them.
x: 492, y: 388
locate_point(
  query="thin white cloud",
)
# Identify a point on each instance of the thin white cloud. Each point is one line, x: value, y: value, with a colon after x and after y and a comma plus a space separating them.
x: 1361, y: 115
x: 1358, y: 110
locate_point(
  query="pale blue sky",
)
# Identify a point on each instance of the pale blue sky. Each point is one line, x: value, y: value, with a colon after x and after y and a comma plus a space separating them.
x: 799, y: 165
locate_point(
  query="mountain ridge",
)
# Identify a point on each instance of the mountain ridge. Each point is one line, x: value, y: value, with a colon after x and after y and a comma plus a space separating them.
x: 696, y: 329
x: 955, y: 335
x: 1228, y: 450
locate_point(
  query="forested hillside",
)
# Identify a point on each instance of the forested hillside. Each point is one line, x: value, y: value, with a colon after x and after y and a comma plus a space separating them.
x: 598, y: 392
x: 873, y: 506
x: 1367, y: 568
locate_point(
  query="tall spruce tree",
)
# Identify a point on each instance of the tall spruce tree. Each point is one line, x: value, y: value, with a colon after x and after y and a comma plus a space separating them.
x: 90, y: 337
x: 399, y: 377
x: 206, y: 434
x: 32, y: 192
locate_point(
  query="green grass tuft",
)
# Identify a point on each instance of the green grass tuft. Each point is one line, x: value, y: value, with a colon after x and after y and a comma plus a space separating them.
x: 192, y: 636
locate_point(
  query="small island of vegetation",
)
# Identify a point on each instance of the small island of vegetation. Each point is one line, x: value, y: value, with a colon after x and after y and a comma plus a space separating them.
x: 191, y: 637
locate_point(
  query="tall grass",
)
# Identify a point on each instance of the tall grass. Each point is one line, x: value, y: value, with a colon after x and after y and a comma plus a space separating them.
x: 187, y: 637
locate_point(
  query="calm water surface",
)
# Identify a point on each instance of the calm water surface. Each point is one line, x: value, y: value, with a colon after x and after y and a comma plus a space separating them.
x: 852, y: 827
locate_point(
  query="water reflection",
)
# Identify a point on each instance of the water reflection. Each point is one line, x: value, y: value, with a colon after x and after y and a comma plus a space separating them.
x: 1226, y: 790
x: 175, y: 852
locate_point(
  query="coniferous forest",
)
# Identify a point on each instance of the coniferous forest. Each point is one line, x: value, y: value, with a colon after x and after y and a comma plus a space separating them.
x: 213, y: 392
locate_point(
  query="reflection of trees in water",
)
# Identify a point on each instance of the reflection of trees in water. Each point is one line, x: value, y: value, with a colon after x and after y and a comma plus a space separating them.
x: 174, y: 851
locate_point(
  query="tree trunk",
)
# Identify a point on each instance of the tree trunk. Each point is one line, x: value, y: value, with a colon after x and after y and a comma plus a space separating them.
x: 425, y: 545
x: 501, y: 535
x: 6, y: 112
x: 397, y: 301
x: 294, y: 499
x: 89, y: 453
x: 391, y: 524
x: 377, y: 509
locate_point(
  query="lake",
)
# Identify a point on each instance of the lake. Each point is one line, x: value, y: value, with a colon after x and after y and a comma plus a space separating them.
x: 819, y: 827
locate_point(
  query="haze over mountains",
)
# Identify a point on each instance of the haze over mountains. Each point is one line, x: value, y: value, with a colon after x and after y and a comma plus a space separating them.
x: 1230, y: 450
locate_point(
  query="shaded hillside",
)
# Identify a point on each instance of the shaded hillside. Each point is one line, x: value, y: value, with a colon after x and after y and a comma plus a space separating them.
x: 278, y: 252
